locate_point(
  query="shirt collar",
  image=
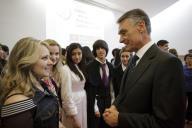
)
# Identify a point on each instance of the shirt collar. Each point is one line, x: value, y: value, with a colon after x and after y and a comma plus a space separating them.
x: 142, y: 50
x: 100, y: 61
x: 123, y: 67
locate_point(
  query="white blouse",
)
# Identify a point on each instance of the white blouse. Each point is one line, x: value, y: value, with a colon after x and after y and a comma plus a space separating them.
x: 71, y: 85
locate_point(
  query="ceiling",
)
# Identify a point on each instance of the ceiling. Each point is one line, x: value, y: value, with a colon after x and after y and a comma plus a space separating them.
x: 152, y: 7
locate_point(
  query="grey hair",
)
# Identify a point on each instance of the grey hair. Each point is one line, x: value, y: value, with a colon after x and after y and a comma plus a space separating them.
x: 137, y: 15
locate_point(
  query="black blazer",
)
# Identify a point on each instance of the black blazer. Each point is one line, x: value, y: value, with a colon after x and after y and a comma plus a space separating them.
x: 93, y: 87
x: 152, y: 95
x: 117, y: 77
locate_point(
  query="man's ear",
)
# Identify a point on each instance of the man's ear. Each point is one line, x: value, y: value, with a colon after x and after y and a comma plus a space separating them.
x: 141, y: 26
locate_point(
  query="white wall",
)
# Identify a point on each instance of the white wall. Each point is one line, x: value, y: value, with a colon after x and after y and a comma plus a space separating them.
x: 85, y: 24
x: 74, y: 22
x: 21, y: 18
x: 111, y: 33
x: 175, y: 25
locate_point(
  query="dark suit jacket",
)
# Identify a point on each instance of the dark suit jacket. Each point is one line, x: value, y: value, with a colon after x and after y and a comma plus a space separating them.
x: 95, y: 89
x: 117, y: 77
x: 152, y: 95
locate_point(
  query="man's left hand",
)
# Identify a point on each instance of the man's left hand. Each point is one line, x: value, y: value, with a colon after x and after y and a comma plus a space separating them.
x: 111, y: 117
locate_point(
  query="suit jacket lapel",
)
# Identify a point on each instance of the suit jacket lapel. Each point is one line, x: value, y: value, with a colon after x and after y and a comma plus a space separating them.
x: 97, y: 68
x: 136, y: 73
x: 123, y: 81
x: 141, y: 67
x: 95, y: 73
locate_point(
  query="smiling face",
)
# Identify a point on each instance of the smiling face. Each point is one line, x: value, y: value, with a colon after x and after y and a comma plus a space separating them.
x: 43, y: 66
x: 125, y: 58
x: 76, y: 55
x: 54, y: 53
x: 131, y: 34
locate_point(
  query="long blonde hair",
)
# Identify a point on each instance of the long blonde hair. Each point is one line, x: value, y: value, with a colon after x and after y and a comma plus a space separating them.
x: 19, y: 74
x: 56, y: 68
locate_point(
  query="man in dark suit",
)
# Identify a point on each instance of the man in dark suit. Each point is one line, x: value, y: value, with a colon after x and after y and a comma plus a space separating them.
x: 98, y: 87
x: 151, y: 94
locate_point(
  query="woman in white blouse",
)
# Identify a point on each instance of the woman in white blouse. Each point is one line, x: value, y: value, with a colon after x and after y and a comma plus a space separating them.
x: 74, y: 78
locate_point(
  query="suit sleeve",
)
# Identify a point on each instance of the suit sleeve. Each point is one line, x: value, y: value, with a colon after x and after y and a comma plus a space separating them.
x: 167, y: 105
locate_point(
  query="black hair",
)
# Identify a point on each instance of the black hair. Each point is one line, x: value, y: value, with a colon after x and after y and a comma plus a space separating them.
x: 114, y: 50
x: 137, y: 15
x: 187, y: 55
x: 63, y: 51
x: 88, y: 55
x: 71, y: 64
x: 162, y: 42
x: 100, y: 44
x: 5, y: 48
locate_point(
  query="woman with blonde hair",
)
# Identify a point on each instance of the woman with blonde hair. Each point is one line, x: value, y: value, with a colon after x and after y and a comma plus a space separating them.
x: 55, y: 74
x: 26, y: 100
x: 58, y: 74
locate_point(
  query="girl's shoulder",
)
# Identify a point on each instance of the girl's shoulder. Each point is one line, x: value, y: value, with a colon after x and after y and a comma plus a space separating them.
x: 66, y: 68
x: 16, y: 103
x: 14, y: 98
